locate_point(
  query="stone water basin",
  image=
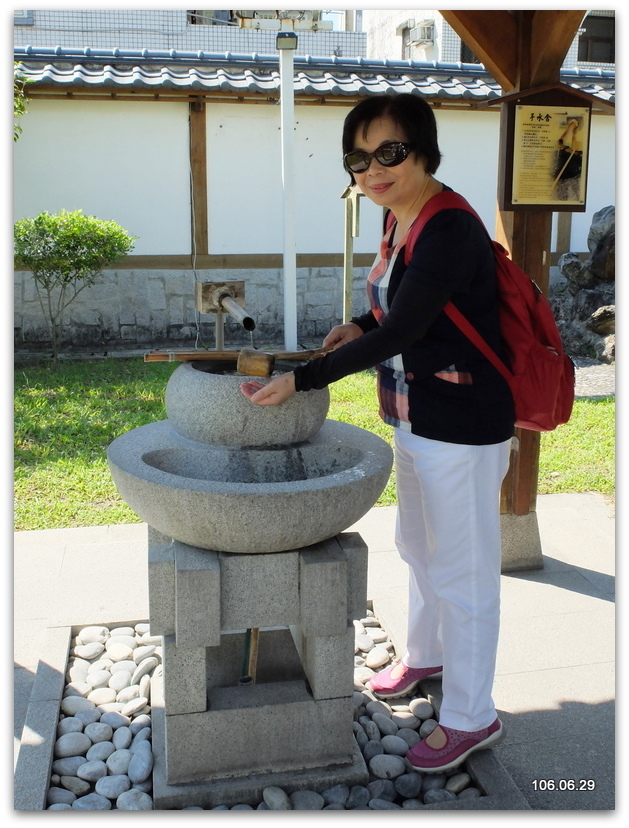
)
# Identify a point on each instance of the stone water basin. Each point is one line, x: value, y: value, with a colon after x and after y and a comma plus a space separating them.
x: 204, y: 403
x: 250, y: 500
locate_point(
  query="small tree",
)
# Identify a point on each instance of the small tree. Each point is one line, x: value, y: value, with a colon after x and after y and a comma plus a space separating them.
x: 19, y: 99
x: 66, y: 252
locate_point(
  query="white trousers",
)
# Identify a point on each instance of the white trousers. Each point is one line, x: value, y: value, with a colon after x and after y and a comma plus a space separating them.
x: 448, y: 531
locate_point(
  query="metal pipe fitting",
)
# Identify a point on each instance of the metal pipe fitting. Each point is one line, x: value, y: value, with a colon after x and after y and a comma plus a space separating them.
x: 234, y: 310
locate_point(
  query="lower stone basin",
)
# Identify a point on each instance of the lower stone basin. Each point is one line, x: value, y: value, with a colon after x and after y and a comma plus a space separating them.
x: 250, y: 500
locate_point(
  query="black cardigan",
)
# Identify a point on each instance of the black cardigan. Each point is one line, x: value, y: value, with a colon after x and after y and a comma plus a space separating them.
x: 453, y: 260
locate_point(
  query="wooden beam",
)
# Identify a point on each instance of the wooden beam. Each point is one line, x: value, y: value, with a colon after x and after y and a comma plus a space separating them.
x: 492, y: 36
x: 552, y: 33
x: 198, y: 178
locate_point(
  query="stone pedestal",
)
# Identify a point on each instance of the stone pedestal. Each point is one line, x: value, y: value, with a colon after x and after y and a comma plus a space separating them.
x: 222, y: 740
x: 521, y: 542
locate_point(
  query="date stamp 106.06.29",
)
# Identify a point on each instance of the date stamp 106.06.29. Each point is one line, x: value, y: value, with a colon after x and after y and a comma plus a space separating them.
x: 563, y: 784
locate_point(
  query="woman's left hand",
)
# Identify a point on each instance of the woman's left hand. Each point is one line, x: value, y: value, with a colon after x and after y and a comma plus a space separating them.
x: 275, y: 392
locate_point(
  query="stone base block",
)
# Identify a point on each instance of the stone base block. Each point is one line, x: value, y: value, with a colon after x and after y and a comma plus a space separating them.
x: 328, y: 662
x: 259, y: 590
x: 161, y: 575
x: 259, y: 729
x: 222, y: 789
x: 521, y: 543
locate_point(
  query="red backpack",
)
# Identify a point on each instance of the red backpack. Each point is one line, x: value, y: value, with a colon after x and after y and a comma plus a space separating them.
x: 541, y: 377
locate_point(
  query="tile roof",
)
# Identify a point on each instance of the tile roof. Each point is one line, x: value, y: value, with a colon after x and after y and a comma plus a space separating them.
x: 152, y: 70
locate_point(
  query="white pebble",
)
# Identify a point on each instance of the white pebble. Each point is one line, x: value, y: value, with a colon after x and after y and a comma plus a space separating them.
x: 394, y: 745
x: 122, y: 738
x: 119, y: 651
x: 119, y: 761
x: 377, y: 657
x: 99, y: 732
x: 118, y: 681
x: 127, y: 640
x: 385, y: 724
x: 134, y: 800
x: 100, y: 751
x: 111, y: 707
x: 98, y: 678
x: 77, y: 669
x: 72, y: 744
x: 143, y: 652
x: 88, y: 716
x: 145, y: 687
x: 92, y: 770
x: 129, y: 665
x: 79, y: 787
x: 379, y: 706
x: 101, y: 664
x: 92, y: 802
x: 127, y: 694
x: 77, y: 688
x: 91, y: 634
x: 89, y: 651
x: 406, y: 720
x: 422, y: 708
x: 276, y: 799
x: 58, y: 796
x: 427, y: 727
x: 72, y: 704
x: 364, y: 643
x: 143, y: 668
x: 68, y: 766
x: 103, y: 695
x: 113, y: 786
x: 142, y: 763
x: 126, y: 630
x: 115, y: 720
x: 69, y: 725
x: 387, y: 766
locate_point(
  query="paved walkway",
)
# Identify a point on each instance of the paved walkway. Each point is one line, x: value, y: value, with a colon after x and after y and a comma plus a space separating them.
x: 555, y: 676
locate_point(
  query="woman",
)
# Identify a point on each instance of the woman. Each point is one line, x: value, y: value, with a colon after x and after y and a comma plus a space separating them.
x: 452, y: 415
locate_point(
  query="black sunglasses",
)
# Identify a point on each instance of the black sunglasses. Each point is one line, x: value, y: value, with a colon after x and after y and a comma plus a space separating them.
x: 389, y: 155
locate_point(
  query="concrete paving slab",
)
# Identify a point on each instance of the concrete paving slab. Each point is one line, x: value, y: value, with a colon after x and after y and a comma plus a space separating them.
x: 555, y: 680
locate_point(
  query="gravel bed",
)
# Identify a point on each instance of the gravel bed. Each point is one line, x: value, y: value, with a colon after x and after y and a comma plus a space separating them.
x: 103, y: 754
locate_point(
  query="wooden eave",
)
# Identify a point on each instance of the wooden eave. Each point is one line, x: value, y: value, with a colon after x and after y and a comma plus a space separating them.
x: 521, y: 49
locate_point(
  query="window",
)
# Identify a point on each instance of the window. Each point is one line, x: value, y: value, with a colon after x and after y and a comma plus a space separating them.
x: 597, y: 40
x: 467, y: 55
x: 209, y: 18
x: 23, y: 18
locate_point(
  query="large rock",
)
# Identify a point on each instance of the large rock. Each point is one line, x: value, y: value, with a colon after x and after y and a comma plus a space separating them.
x: 583, y: 296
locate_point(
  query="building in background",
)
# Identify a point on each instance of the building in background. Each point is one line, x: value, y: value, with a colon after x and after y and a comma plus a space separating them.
x: 424, y: 35
x: 168, y: 123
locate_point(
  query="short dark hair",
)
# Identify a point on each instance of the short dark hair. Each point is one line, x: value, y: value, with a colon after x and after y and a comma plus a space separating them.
x: 410, y: 112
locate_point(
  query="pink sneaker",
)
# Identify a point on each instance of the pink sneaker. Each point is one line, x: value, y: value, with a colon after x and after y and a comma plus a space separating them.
x: 398, y: 679
x: 459, y: 744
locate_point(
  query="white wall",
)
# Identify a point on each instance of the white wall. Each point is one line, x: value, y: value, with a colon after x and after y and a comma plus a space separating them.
x: 126, y: 161
x: 245, y: 179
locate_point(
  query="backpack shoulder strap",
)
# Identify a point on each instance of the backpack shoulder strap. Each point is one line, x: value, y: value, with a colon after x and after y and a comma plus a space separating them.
x: 446, y: 200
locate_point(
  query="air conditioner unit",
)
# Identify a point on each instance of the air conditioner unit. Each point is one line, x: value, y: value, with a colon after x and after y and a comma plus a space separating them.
x: 424, y: 33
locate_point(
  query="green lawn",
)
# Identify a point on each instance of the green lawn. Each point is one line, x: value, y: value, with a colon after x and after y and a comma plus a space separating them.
x: 66, y: 416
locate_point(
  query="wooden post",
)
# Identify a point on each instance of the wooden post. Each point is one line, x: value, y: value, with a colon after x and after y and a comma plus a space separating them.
x: 198, y: 179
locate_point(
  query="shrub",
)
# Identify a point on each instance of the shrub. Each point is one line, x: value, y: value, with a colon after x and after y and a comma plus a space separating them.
x: 66, y: 252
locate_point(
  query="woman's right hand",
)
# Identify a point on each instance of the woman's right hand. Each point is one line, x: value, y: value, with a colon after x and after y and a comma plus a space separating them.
x: 341, y: 335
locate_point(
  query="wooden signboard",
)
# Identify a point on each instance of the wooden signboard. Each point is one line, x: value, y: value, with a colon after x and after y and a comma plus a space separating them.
x: 544, y: 154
